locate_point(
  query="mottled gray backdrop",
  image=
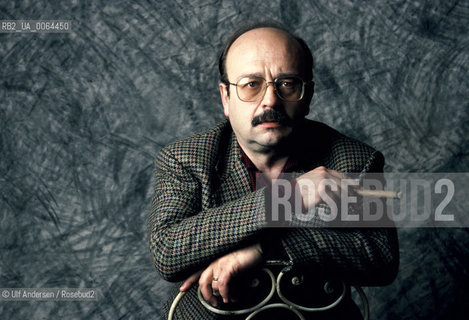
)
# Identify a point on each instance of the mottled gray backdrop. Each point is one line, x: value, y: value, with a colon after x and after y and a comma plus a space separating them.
x: 83, y: 114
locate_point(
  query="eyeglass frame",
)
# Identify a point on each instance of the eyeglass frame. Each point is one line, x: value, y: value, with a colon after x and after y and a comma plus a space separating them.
x: 274, y: 83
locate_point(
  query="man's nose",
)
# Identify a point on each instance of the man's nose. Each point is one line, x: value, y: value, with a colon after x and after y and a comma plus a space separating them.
x: 270, y: 98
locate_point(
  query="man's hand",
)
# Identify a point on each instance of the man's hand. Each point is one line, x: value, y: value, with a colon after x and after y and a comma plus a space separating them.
x: 217, y: 276
x: 315, y: 183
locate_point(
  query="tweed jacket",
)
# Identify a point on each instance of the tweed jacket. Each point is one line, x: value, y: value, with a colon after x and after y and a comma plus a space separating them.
x: 203, y: 208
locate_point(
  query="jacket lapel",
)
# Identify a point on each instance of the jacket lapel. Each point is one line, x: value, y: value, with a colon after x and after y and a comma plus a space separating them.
x: 234, y: 181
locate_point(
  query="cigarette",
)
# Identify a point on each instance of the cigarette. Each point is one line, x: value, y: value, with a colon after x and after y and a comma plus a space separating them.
x: 379, y: 193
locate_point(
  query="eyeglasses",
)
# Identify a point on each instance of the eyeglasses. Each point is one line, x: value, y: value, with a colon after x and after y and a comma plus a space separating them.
x: 250, y: 89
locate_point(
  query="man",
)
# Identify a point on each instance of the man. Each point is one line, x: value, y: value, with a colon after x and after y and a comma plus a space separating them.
x: 208, y: 219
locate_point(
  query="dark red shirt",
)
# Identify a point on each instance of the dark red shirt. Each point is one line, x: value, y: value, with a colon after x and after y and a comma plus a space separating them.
x: 255, y: 174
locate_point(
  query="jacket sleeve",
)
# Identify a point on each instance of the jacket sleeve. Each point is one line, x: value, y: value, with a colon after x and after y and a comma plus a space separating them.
x: 184, y: 234
x: 366, y: 256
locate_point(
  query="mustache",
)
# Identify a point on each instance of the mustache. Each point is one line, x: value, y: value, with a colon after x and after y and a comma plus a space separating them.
x: 271, y: 115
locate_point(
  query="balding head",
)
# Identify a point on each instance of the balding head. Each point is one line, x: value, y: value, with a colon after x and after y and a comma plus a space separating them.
x: 260, y: 48
x: 305, y: 53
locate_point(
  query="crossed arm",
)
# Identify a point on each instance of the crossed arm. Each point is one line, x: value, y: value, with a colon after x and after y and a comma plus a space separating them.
x: 193, y: 242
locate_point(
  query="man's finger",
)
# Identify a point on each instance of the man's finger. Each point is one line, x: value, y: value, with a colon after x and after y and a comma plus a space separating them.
x: 205, y: 284
x: 190, y: 281
x: 223, y: 287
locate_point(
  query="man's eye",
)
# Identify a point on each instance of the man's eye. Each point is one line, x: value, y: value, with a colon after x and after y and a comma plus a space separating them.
x: 286, y: 83
x: 252, y: 84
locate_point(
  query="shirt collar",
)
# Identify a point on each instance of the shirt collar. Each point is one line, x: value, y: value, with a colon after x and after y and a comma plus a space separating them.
x: 289, y: 166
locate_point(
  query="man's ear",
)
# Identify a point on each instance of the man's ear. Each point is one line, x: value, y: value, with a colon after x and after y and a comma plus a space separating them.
x: 225, y: 98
